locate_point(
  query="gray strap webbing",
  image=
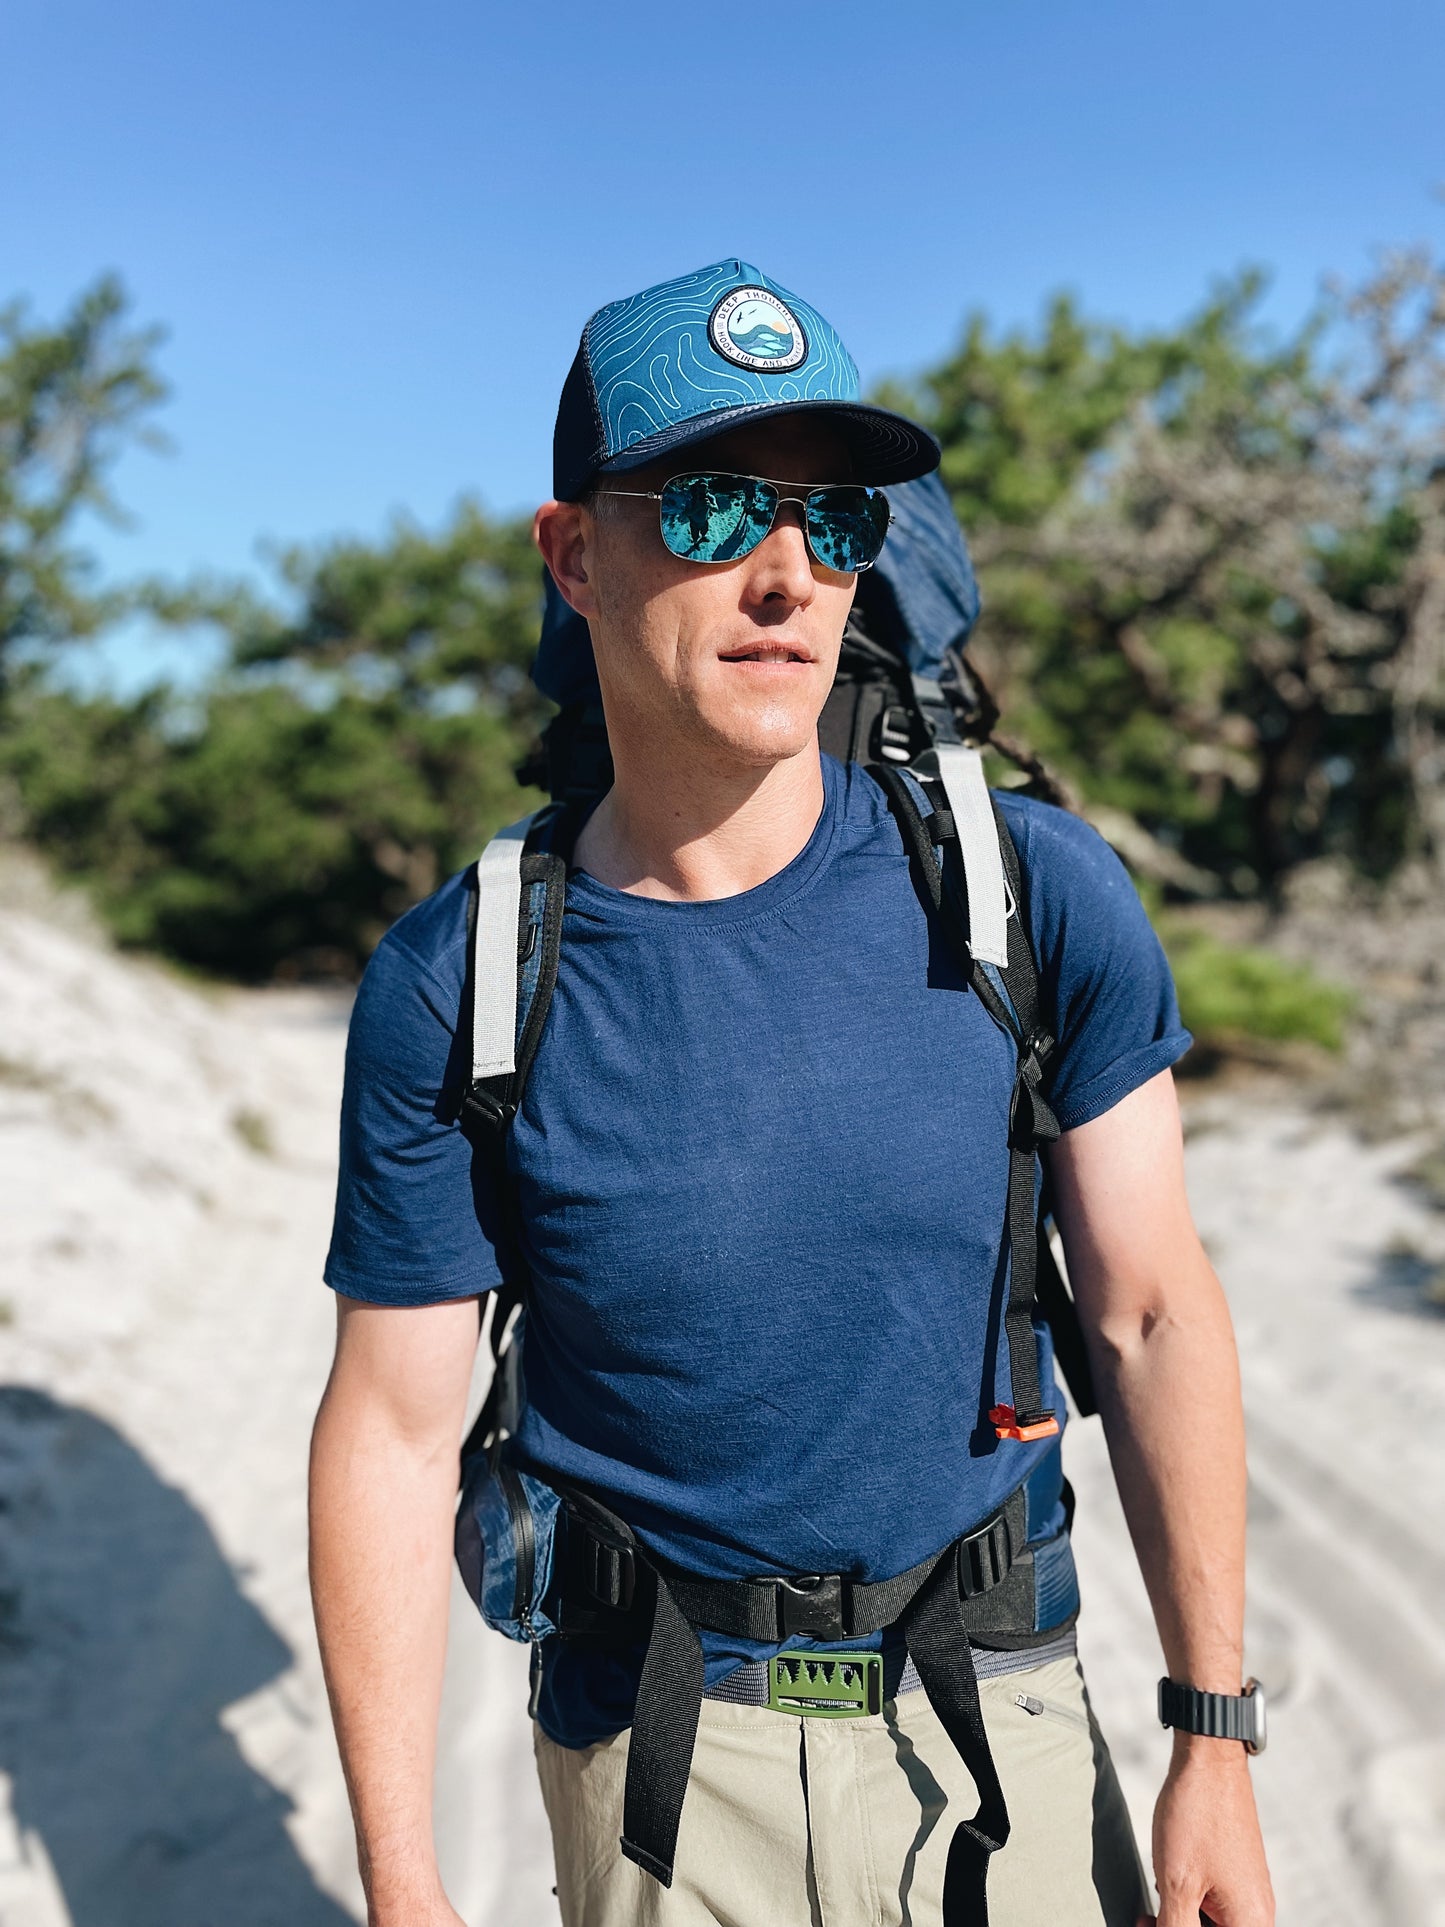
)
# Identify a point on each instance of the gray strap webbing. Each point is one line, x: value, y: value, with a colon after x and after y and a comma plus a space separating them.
x: 747, y: 1685
x: 494, y: 953
x: 961, y: 771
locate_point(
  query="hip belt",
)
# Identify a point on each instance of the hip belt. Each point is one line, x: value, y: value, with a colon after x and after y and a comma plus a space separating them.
x: 980, y: 1589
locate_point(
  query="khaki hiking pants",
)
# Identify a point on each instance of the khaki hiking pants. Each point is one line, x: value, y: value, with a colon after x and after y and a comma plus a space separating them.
x: 793, y: 1822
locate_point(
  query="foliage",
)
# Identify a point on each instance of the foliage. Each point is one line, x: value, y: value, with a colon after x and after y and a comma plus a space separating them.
x: 70, y: 398
x: 1214, y: 575
x: 360, y: 750
x: 434, y: 623
x: 1214, y: 571
x: 357, y: 746
x: 1232, y: 991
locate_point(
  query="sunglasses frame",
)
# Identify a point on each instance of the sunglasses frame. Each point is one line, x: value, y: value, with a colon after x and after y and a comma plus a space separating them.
x: 730, y: 475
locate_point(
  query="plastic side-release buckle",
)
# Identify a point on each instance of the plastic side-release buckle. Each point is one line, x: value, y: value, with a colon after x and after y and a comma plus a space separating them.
x: 811, y: 1604
x: 1033, y: 1425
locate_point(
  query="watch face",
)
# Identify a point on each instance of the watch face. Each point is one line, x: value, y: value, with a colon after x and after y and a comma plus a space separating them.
x: 1254, y: 1695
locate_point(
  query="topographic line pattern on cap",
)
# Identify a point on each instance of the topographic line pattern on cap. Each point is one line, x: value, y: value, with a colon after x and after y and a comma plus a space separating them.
x: 653, y: 346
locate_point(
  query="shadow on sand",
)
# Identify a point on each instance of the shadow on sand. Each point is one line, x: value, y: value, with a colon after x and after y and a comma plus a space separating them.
x: 123, y: 1634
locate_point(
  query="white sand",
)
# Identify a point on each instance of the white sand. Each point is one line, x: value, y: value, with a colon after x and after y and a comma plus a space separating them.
x: 166, y: 1750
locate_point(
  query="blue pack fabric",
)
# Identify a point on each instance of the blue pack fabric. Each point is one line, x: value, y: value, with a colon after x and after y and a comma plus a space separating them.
x: 487, y: 1552
x: 923, y: 578
x: 761, y: 1166
x: 565, y: 668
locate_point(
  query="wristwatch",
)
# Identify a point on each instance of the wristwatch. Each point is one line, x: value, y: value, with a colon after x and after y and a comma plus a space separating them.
x: 1223, y: 1716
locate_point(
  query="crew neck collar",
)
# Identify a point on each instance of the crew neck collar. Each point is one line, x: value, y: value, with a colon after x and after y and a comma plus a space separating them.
x: 585, y: 891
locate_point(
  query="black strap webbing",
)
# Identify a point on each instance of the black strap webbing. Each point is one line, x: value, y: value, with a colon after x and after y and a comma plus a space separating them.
x: 938, y: 1640
x: 1016, y: 1012
x: 664, y: 1732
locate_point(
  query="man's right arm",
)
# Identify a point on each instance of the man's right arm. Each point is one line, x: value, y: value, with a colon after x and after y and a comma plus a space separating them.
x: 383, y: 1498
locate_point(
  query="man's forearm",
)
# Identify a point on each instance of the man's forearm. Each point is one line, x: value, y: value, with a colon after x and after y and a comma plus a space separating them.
x: 1168, y: 1383
x: 381, y: 1532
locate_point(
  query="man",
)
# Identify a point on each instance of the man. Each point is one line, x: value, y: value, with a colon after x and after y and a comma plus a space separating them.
x: 759, y: 1179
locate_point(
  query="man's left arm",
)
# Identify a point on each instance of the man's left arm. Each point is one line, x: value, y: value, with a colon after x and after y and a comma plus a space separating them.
x: 1162, y: 1348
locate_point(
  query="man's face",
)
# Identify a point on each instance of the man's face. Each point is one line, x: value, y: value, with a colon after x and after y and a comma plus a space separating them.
x: 730, y: 660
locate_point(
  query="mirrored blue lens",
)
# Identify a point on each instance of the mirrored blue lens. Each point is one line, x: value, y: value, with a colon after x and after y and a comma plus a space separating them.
x: 716, y: 518
x: 846, y: 526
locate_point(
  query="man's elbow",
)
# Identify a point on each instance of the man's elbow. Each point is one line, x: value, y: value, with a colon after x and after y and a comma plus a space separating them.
x: 1143, y: 1318
x: 398, y: 1384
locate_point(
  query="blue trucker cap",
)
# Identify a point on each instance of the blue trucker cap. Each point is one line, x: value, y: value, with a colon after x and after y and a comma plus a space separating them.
x: 692, y: 357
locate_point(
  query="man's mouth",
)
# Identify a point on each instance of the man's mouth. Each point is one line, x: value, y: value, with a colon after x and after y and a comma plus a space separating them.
x: 770, y: 652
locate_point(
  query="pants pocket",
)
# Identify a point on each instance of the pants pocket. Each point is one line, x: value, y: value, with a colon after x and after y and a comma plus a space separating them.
x: 1039, y: 1709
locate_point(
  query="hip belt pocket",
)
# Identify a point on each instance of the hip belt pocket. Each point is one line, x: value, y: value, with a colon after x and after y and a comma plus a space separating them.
x: 505, y: 1541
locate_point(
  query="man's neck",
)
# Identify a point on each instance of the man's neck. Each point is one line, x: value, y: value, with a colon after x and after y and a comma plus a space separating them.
x: 695, y: 834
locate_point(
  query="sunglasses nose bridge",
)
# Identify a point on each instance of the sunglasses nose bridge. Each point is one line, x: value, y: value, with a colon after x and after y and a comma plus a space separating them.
x: 798, y: 502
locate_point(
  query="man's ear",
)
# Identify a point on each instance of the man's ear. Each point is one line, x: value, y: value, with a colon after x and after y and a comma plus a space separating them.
x: 563, y: 531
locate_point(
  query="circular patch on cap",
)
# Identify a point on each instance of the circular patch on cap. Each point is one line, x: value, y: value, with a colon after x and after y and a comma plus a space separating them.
x: 754, y: 329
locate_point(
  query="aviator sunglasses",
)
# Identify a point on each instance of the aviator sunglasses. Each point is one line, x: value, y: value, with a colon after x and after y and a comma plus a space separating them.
x: 718, y: 518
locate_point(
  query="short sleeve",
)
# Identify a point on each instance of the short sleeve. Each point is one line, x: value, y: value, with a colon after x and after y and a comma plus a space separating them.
x: 411, y: 1202
x: 1102, y: 971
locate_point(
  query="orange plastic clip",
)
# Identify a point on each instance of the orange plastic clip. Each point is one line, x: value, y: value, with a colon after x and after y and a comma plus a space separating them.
x: 1005, y: 1421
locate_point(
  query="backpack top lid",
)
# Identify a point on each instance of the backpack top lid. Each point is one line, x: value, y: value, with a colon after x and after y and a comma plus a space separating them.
x: 920, y: 598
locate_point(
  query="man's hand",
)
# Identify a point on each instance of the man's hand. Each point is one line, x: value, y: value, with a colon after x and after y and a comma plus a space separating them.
x: 1208, y: 1854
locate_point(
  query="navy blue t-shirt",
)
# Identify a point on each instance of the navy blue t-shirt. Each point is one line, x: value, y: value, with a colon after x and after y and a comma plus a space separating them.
x: 762, y: 1170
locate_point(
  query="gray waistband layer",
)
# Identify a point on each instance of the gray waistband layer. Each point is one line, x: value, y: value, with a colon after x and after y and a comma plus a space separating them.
x: 748, y: 1685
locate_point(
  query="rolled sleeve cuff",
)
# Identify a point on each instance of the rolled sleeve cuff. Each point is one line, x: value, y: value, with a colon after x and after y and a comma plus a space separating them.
x: 1124, y: 1075
x: 473, y: 1283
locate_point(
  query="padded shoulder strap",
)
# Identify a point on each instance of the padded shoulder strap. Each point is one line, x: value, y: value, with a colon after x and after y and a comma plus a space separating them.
x: 514, y: 940
x: 1008, y: 991
x: 960, y: 770
x: 494, y: 952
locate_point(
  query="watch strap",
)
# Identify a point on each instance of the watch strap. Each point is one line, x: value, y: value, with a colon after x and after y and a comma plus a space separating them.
x: 1220, y: 1716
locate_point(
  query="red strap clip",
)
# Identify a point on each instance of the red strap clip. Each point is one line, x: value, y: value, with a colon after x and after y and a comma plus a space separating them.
x: 1005, y: 1421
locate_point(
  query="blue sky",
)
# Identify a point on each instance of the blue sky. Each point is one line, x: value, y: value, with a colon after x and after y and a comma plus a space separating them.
x: 373, y: 232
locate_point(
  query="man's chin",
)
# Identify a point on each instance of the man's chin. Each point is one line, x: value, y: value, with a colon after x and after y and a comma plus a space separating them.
x: 759, y: 742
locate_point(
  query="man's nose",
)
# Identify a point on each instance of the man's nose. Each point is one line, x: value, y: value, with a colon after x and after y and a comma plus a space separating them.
x: 783, y: 562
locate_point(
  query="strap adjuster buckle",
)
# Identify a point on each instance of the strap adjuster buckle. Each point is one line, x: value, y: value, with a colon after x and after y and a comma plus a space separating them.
x: 1036, y: 1050
x: 811, y: 1604
x: 1009, y: 1424
x: 984, y: 1558
x: 609, y: 1568
x: 495, y: 1112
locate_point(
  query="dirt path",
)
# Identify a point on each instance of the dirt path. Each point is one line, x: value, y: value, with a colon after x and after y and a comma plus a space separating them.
x: 167, y: 1164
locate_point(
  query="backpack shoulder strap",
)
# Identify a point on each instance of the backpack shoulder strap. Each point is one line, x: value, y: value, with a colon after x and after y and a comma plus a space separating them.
x: 985, y: 849
x: 964, y: 858
x: 516, y: 895
x: 515, y: 902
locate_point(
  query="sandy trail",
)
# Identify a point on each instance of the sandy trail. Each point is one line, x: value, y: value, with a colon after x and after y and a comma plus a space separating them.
x: 166, y: 1164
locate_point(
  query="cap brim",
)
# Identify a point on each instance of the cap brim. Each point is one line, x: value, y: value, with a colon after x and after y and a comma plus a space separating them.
x: 885, y: 447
